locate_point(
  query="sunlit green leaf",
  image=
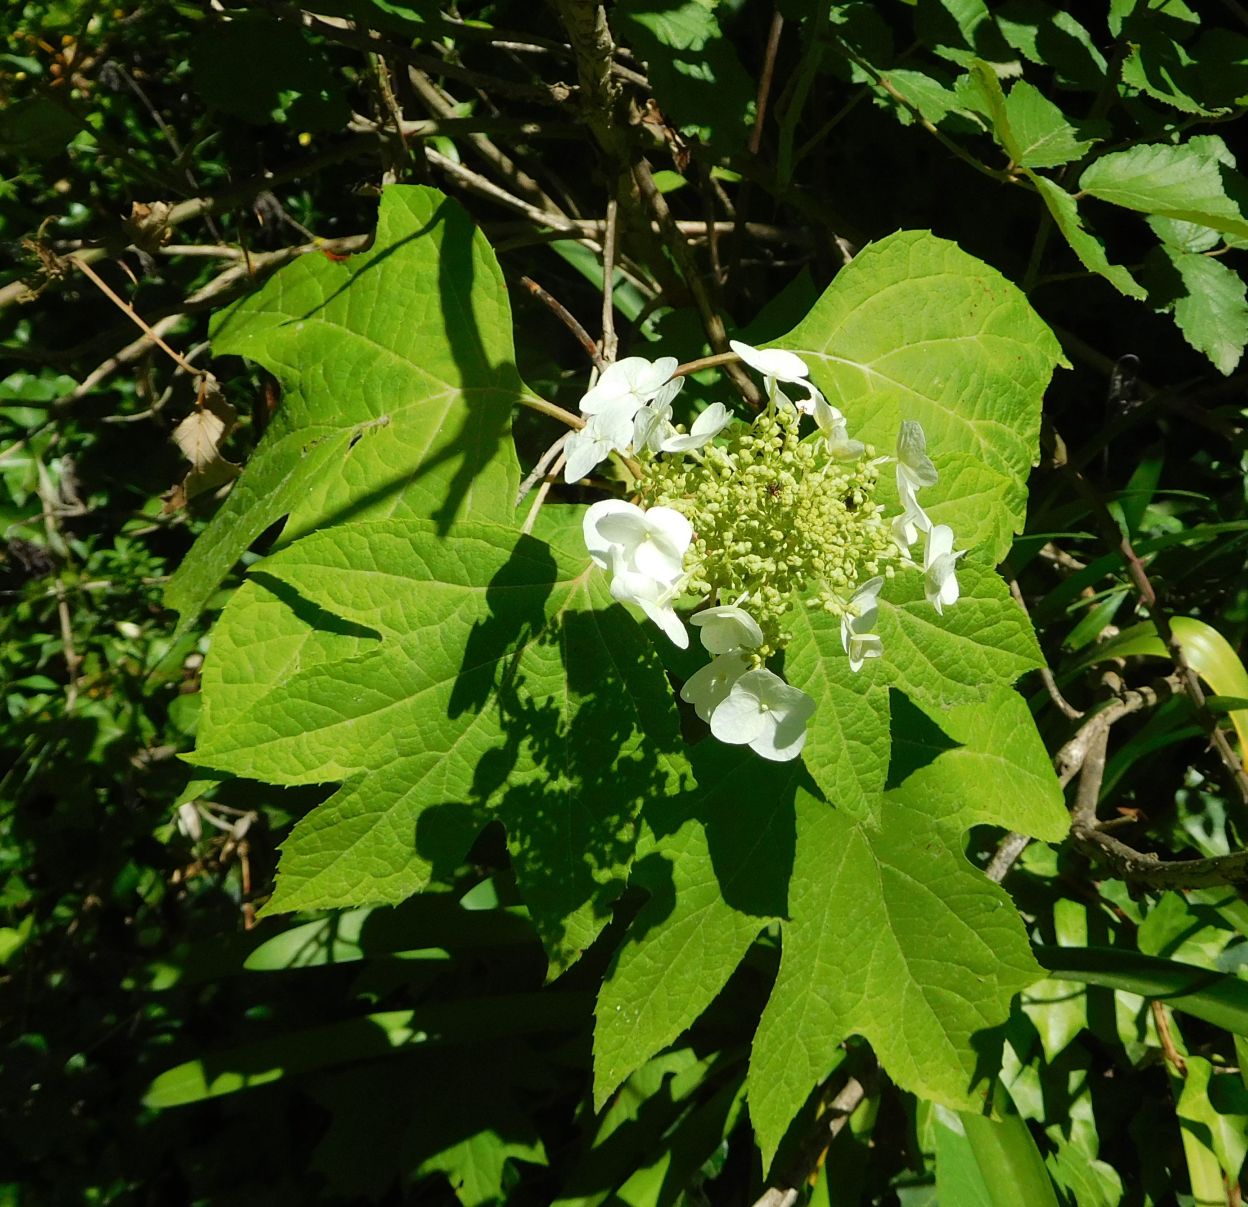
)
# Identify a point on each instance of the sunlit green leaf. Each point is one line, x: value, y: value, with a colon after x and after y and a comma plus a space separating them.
x: 914, y: 328
x: 398, y: 381
x: 893, y: 936
x: 1187, y: 183
x: 498, y: 679
x: 714, y: 881
x: 697, y: 76
x: 1210, y: 307
x: 1090, y: 250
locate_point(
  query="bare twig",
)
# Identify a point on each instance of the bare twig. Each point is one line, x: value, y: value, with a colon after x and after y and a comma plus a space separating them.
x: 241, y: 272
x: 1161, y: 1018
x: 706, y: 362
x: 1118, y: 541
x: 1072, y: 756
x: 542, y: 491
x: 484, y: 187
x: 1070, y: 759
x: 443, y: 106
x: 1086, y: 755
x: 457, y: 127
x: 711, y: 321
x: 610, y: 343
x: 543, y: 407
x: 49, y: 497
x: 568, y: 319
x: 788, y: 1188
x: 764, y: 81
x: 539, y: 470
x: 336, y: 30
x: 595, y: 228
x: 200, y: 207
x: 117, y: 300
x: 1149, y: 871
x: 1046, y: 674
x: 593, y: 48
x: 394, y: 115
x: 1006, y: 855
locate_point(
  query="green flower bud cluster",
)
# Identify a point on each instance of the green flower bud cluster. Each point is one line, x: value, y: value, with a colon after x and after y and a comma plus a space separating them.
x: 776, y: 519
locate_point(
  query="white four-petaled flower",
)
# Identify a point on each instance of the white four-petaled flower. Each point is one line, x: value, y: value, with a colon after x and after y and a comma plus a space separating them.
x: 765, y: 713
x: 653, y: 597
x: 835, y: 429
x: 604, y: 433
x: 939, y: 568
x: 858, y: 637
x: 775, y: 364
x: 708, y: 687
x: 914, y: 471
x: 653, y: 542
x: 633, y: 381
x: 704, y: 429
x: 625, y: 390
x: 645, y: 552
x: 728, y: 629
x: 914, y: 466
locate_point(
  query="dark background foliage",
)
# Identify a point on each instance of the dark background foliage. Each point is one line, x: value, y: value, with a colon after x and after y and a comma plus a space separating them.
x: 184, y: 151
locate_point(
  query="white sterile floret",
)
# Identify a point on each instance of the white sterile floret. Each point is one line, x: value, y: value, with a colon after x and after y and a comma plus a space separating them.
x: 835, y: 429
x: 705, y: 428
x: 651, y: 426
x: 644, y: 550
x: 728, y: 630
x: 763, y: 712
x: 914, y: 466
x: 907, y: 526
x: 654, y: 598
x: 631, y: 382
x: 858, y: 622
x: 939, y: 565
x: 190, y: 823
x: 773, y: 363
x: 708, y: 687
x: 598, y: 545
x: 808, y: 404
x: 863, y: 646
x: 606, y: 432
x: 668, y: 391
x: 651, y: 542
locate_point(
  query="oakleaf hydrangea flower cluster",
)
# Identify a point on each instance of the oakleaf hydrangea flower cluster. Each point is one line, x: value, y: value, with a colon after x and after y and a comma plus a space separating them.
x: 741, y: 531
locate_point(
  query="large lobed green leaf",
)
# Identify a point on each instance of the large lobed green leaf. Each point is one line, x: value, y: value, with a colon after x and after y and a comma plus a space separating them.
x: 891, y: 933
x: 886, y: 930
x: 481, y: 672
x: 716, y: 863
x: 914, y: 328
x: 398, y: 381
x: 848, y: 737
x: 983, y: 641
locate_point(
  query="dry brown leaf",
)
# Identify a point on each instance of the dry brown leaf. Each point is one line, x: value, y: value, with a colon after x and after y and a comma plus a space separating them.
x: 199, y: 436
